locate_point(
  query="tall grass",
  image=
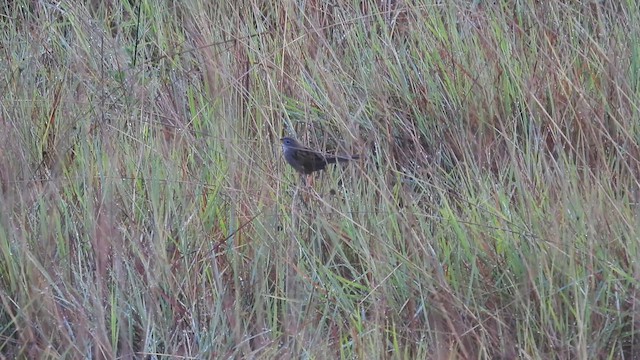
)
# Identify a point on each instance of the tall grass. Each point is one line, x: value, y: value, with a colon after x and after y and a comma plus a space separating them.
x: 146, y: 211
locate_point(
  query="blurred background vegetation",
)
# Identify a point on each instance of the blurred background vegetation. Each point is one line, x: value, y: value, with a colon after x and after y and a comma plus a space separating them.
x: 146, y: 210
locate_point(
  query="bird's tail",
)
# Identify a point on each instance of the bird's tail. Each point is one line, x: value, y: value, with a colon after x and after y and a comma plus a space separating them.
x: 334, y: 159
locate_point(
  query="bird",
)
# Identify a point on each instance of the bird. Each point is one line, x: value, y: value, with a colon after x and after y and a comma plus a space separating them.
x: 305, y: 160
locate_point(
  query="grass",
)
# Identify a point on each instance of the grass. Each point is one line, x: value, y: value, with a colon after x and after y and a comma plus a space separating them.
x: 146, y: 210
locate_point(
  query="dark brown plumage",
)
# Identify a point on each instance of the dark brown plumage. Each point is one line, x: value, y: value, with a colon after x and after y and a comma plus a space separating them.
x: 305, y: 160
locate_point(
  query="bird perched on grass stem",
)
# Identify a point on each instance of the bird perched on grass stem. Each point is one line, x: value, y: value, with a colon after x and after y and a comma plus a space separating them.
x: 305, y: 160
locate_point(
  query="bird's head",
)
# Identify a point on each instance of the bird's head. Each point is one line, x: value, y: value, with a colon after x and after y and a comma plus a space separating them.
x: 290, y: 142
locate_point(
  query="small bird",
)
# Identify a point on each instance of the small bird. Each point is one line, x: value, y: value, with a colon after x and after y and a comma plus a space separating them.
x: 305, y: 160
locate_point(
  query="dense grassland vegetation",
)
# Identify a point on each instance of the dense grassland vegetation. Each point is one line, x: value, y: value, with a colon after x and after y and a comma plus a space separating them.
x: 146, y: 209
